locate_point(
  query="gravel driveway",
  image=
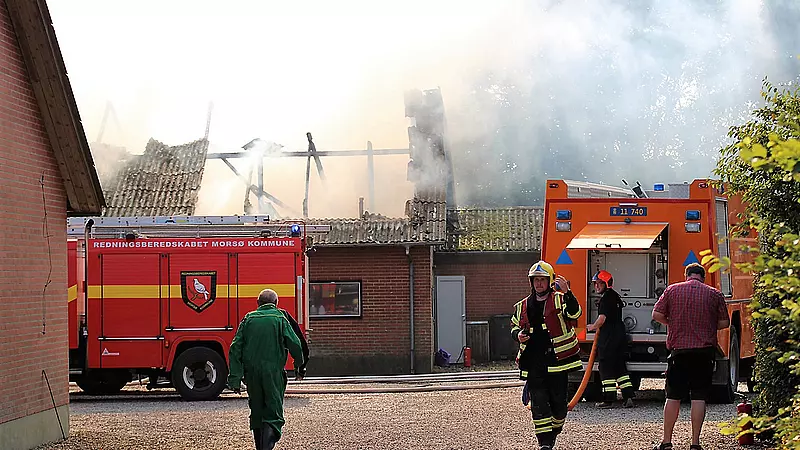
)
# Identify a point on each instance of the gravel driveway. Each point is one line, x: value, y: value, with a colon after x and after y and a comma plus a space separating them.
x: 471, y: 419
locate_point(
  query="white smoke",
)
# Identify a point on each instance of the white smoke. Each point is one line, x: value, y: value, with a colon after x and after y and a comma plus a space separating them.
x: 601, y: 90
x: 588, y: 89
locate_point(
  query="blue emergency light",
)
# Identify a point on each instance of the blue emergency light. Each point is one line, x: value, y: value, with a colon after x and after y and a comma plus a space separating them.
x: 658, y: 187
x: 693, y: 214
x: 563, y: 214
x: 295, y: 229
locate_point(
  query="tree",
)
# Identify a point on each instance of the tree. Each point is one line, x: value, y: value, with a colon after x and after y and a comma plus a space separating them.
x: 763, y: 166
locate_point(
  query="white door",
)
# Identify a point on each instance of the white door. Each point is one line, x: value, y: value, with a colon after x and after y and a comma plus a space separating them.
x: 451, y: 315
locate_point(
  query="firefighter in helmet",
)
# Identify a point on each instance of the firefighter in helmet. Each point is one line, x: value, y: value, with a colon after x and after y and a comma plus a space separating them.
x: 258, y: 354
x: 542, y: 323
x: 612, y: 342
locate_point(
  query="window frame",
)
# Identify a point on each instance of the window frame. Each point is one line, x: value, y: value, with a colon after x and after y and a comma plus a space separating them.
x: 338, y: 316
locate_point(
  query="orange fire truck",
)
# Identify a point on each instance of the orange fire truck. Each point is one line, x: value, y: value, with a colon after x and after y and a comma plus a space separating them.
x: 645, y: 238
x: 162, y: 296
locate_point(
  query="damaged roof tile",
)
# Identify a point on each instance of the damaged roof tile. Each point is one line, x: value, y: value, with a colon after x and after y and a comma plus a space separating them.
x: 164, y: 181
x: 500, y: 229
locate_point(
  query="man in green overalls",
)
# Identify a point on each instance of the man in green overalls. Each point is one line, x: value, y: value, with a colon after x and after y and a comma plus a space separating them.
x: 258, y: 354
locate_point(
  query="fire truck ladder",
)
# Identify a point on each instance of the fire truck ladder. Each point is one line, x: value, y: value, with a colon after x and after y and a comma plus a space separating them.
x: 188, y: 227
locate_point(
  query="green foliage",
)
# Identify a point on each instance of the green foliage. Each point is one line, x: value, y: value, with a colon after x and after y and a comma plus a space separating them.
x: 763, y: 166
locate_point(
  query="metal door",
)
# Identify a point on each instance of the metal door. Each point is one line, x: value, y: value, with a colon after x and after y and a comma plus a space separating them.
x: 451, y: 315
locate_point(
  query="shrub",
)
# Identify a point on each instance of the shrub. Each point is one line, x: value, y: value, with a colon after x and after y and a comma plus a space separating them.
x: 763, y: 166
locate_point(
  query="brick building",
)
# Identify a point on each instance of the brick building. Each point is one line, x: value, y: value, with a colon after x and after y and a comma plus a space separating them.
x: 373, y: 262
x: 491, y: 250
x: 46, y: 173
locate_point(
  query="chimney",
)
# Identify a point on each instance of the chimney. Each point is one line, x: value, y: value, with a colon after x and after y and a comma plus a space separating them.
x: 360, y: 207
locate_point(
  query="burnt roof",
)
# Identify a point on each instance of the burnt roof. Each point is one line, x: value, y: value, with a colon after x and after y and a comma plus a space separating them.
x: 163, y: 181
x: 424, y: 224
x: 499, y: 229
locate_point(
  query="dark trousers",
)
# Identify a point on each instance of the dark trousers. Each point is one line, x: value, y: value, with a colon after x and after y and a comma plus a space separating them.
x: 548, y: 398
x: 690, y: 373
x: 265, y: 438
x: 613, y: 373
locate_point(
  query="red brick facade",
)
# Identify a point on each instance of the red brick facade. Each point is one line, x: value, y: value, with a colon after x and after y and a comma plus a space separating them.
x: 494, y: 281
x: 33, y: 313
x: 377, y: 342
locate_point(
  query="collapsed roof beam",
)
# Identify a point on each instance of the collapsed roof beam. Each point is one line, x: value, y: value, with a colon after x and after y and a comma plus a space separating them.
x: 376, y: 152
x: 257, y: 190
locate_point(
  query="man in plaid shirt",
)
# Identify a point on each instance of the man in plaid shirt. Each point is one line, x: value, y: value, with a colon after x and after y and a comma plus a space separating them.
x: 693, y: 312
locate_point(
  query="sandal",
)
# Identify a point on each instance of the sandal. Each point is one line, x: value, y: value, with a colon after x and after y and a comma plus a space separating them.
x: 695, y: 447
x: 663, y: 446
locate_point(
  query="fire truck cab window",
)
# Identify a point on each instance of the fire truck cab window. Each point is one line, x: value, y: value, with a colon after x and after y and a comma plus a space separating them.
x: 335, y: 299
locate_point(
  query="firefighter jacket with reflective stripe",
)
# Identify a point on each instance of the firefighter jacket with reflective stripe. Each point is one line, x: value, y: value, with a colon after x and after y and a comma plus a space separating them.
x: 560, y: 311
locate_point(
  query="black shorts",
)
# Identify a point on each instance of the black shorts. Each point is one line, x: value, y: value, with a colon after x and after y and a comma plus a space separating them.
x: 689, y: 373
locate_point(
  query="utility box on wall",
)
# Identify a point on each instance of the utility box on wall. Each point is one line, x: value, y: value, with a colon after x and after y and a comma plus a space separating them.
x: 501, y: 345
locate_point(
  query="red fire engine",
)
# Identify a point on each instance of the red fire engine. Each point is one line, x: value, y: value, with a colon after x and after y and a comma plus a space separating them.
x: 163, y: 296
x: 645, y: 239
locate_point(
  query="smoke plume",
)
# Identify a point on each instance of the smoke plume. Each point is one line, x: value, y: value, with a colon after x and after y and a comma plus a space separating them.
x: 594, y: 90
x: 605, y: 90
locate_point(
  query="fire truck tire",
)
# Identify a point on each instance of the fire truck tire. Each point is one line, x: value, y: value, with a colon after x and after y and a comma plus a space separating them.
x: 199, y: 373
x: 727, y: 393
x: 103, y: 381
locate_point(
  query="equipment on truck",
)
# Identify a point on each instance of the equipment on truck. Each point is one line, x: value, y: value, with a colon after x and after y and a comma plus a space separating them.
x: 162, y: 296
x: 646, y: 240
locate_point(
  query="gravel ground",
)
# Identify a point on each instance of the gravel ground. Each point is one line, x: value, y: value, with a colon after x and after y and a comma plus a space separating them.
x: 474, y: 419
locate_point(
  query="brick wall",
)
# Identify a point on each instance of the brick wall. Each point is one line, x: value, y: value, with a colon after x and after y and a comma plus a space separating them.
x: 494, y: 280
x: 28, y: 256
x: 378, y: 342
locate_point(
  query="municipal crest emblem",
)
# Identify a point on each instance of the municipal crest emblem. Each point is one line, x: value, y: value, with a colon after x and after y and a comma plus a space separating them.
x: 199, y: 289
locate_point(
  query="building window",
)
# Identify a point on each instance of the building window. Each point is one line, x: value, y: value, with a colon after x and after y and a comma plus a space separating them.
x: 335, y: 299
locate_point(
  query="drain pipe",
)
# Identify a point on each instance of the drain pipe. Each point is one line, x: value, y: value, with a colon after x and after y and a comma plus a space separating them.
x: 411, y: 302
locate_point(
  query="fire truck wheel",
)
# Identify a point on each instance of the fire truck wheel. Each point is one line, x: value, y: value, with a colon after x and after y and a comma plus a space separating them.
x: 199, y: 373
x: 103, y: 381
x: 727, y: 393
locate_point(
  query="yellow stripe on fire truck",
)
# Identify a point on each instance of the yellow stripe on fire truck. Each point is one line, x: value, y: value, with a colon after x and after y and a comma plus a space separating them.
x: 72, y: 293
x: 244, y: 291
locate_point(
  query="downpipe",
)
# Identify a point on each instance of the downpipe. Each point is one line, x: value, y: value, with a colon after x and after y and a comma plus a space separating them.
x: 411, y: 304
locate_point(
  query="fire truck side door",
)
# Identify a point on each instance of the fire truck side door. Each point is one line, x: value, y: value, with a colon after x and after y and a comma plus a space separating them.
x: 199, y: 293
x: 129, y: 310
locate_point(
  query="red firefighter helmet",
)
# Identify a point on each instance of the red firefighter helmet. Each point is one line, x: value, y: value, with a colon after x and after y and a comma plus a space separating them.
x: 605, y: 277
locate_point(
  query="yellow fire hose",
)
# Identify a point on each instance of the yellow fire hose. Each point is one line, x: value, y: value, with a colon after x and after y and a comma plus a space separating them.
x: 586, y: 375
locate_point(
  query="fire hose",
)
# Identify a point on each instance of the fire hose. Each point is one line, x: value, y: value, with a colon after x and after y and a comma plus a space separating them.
x: 587, y: 374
